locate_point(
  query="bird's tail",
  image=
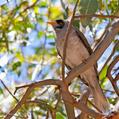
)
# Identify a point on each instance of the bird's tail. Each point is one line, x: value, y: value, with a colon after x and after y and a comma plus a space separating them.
x: 100, y: 101
x: 99, y: 98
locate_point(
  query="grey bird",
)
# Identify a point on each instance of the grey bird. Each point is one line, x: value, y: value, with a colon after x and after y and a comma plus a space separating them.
x: 77, y: 51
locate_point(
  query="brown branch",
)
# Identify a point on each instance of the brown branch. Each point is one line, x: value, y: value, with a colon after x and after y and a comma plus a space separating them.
x: 117, y: 78
x: 19, y: 104
x: 40, y: 83
x: 69, y: 108
x: 84, y: 99
x: 9, y: 91
x: 110, y: 76
x: 94, y: 106
x: 47, y: 116
x: 58, y: 100
x: 112, y: 53
x: 66, y: 39
x: 92, y: 59
x: 68, y: 105
x: 65, y: 95
x: 27, y: 93
x: 97, y: 15
x: 96, y: 42
x: 90, y: 103
x: 84, y: 108
x: 53, y: 114
x: 113, y: 115
x: 47, y: 106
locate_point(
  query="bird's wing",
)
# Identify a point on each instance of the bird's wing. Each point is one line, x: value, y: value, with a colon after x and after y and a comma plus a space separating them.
x: 84, y: 41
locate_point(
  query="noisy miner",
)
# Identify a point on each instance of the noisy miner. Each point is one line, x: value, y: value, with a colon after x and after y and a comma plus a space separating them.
x: 77, y: 51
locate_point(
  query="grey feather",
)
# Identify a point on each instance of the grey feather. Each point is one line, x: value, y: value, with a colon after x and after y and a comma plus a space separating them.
x: 77, y: 51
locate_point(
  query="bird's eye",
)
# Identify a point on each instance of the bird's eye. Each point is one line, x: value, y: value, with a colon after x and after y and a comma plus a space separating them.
x: 60, y: 24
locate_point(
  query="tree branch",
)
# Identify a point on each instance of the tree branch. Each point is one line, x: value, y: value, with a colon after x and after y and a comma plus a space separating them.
x: 69, y: 107
x: 113, y: 81
x: 112, y: 53
x: 92, y: 59
x: 19, y: 104
x: 84, y: 99
x: 41, y: 83
x: 27, y: 93
x: 66, y: 39
x: 97, y: 15
x: 9, y: 91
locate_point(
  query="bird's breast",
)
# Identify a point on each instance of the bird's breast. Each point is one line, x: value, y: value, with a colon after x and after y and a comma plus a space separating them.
x: 76, y: 52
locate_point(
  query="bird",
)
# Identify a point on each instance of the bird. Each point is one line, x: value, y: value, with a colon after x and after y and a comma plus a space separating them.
x: 77, y: 51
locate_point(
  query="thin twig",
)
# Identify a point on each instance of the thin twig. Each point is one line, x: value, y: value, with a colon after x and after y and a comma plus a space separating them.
x: 97, y: 15
x: 110, y: 76
x: 43, y: 82
x: 30, y: 6
x: 58, y: 100
x: 47, y: 115
x: 84, y: 99
x: 69, y: 107
x: 66, y: 40
x: 95, y: 44
x: 89, y: 102
x: 116, y: 78
x: 112, y: 53
x: 53, y: 114
x: 19, y: 104
x: 9, y: 90
x: 66, y: 96
x: 40, y: 102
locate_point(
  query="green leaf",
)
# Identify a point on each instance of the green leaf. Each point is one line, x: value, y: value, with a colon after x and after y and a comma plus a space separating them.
x: 16, y: 65
x: 20, y: 57
x: 43, y: 4
x: 102, y: 76
x: 87, y: 7
x: 59, y: 116
x: 55, y: 12
x: 1, y: 91
x: 103, y: 73
x: 36, y: 9
x: 76, y: 23
x: 40, y: 34
x: 50, y: 36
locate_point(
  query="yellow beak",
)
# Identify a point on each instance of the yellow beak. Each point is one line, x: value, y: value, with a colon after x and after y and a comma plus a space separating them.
x: 53, y: 23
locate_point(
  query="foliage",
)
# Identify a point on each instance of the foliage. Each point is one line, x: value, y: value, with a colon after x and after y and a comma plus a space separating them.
x: 28, y: 52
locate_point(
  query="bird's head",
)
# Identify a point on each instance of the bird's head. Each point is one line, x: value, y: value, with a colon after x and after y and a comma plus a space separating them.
x: 57, y: 24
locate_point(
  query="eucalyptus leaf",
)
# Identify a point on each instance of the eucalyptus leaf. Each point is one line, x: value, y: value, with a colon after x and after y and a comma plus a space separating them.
x: 87, y: 7
x: 59, y: 116
x: 1, y: 91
